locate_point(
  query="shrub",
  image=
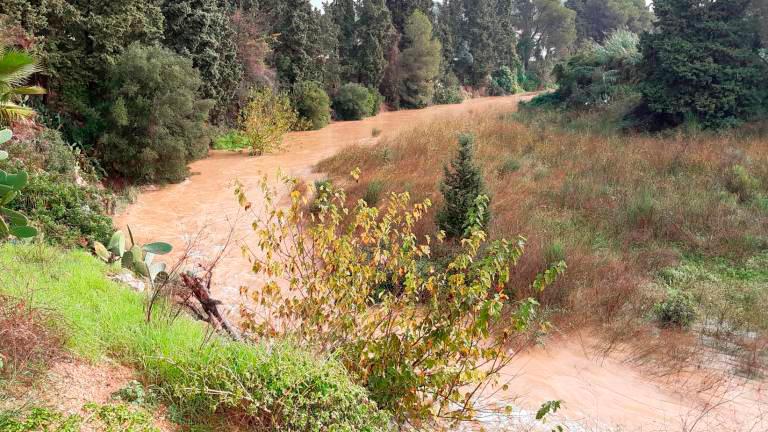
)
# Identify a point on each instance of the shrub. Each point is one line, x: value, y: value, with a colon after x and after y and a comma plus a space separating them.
x: 504, y: 82
x: 156, y: 120
x: 373, y: 191
x: 269, y: 386
x: 448, y: 91
x: 509, y: 166
x: 68, y: 214
x: 740, y: 182
x: 266, y: 119
x: 461, y: 186
x: 312, y: 104
x: 232, y: 140
x: 677, y: 309
x: 352, y: 102
x: 362, y: 288
x: 31, y: 337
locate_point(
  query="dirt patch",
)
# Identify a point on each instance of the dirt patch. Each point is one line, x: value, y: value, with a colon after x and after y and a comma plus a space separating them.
x: 70, y: 384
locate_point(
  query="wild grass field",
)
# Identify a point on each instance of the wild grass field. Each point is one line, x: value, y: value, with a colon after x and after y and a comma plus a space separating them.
x: 666, y: 231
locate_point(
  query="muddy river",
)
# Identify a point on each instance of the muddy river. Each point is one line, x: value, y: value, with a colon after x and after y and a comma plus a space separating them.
x: 599, y: 393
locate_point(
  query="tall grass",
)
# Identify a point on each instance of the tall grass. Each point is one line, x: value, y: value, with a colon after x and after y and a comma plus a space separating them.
x: 264, y: 387
x: 624, y: 207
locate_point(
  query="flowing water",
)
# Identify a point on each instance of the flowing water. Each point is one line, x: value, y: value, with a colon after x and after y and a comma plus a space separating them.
x: 599, y: 393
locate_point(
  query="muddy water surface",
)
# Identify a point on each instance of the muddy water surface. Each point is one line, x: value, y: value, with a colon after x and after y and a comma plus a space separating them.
x: 599, y: 393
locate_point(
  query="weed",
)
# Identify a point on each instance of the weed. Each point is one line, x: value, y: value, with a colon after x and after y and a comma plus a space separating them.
x: 375, y: 132
x: 232, y: 140
x: 740, y: 182
x: 677, y: 309
x: 373, y: 192
x: 554, y: 253
x: 509, y: 166
x: 108, y: 417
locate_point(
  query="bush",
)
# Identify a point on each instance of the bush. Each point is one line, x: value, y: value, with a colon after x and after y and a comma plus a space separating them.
x: 232, y: 140
x: 509, y: 166
x: 156, y: 120
x: 504, y: 82
x: 373, y: 191
x: 353, y: 102
x: 312, y: 104
x: 448, y: 91
x: 409, y: 330
x: 68, y: 214
x: 677, y: 309
x: 270, y: 386
x: 741, y: 183
x: 266, y: 119
x: 375, y: 99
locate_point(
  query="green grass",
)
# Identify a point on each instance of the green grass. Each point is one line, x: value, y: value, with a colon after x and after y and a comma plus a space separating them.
x: 271, y: 386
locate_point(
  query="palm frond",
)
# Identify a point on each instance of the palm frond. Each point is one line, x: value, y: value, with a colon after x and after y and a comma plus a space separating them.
x: 10, y: 112
x: 17, y: 66
x: 28, y: 90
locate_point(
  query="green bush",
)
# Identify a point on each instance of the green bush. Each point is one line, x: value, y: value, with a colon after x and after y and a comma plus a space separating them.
x: 741, y: 183
x: 375, y: 99
x: 272, y: 386
x: 353, y: 102
x: 448, y: 90
x: 503, y: 82
x: 509, y: 166
x: 232, y: 140
x: 156, y: 121
x: 373, y: 191
x: 677, y: 309
x: 312, y: 104
x: 68, y: 214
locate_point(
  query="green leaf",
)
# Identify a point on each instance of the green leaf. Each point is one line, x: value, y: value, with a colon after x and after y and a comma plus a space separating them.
x: 23, y: 231
x: 3, y: 155
x: 3, y: 229
x: 18, y: 180
x: 117, y: 243
x: 101, y: 251
x: 14, y: 217
x: 5, y: 135
x: 158, y: 248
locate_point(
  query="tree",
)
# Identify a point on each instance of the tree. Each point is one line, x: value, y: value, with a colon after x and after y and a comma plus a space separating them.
x: 504, y: 36
x: 266, y: 119
x: 547, y: 30
x: 155, y: 124
x: 461, y: 186
x: 402, y: 9
x: 596, y: 19
x: 702, y: 62
x: 16, y: 67
x: 297, y: 53
x: 420, y: 62
x: 344, y: 16
x: 202, y: 31
x: 312, y: 104
x: 480, y: 26
x: 82, y: 39
x: 373, y: 30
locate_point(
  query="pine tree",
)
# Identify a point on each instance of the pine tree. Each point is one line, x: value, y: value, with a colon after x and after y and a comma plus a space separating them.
x: 596, y: 19
x: 401, y: 10
x: 373, y: 31
x: 702, y: 63
x: 479, y: 30
x: 343, y: 15
x: 201, y: 30
x: 420, y: 63
x: 297, y: 52
x: 461, y: 186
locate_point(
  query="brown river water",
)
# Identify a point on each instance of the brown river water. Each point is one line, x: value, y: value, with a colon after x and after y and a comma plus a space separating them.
x: 600, y: 393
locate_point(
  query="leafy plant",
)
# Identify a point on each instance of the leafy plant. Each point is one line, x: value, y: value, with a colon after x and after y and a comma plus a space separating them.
x: 504, y: 81
x: 12, y: 222
x: 135, y: 258
x: 16, y: 67
x: 373, y: 191
x: 414, y: 347
x: 509, y: 166
x: 353, y: 102
x: 232, y: 140
x: 266, y: 119
x: 312, y: 104
x: 677, y: 309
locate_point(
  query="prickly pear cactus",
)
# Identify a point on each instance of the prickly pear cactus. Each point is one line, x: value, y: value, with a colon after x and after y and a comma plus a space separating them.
x: 137, y: 258
x: 12, y: 223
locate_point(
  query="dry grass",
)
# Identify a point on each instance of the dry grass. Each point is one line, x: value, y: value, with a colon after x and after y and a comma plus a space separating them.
x: 620, y: 207
x: 30, y: 340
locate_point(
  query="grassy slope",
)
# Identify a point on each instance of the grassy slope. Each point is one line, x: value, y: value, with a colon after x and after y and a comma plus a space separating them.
x: 267, y: 386
x: 619, y: 209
